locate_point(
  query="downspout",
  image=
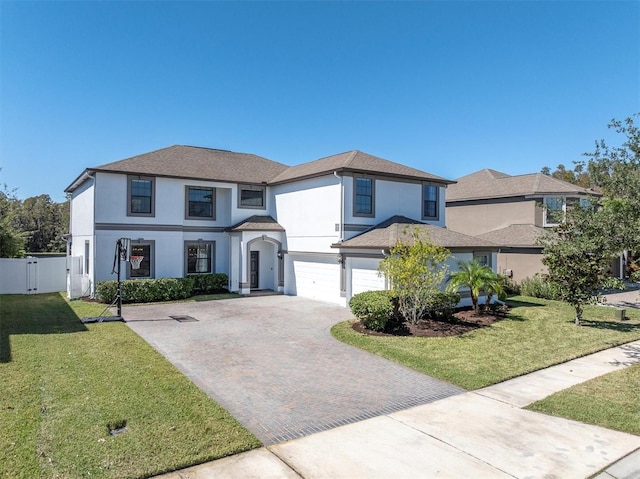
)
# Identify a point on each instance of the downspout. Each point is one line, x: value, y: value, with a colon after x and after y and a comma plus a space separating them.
x: 335, y: 173
x: 92, y: 278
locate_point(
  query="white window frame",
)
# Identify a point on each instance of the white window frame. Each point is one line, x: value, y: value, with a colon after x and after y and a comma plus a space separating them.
x: 546, y: 222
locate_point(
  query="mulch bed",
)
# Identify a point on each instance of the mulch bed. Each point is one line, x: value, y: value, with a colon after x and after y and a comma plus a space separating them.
x: 463, y: 321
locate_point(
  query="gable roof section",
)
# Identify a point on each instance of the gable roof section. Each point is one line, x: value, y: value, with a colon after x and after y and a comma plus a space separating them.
x: 181, y: 161
x: 523, y: 236
x: 386, y: 234
x: 354, y: 161
x: 257, y: 223
x: 486, y: 184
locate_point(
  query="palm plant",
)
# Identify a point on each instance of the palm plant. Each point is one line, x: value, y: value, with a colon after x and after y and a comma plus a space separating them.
x: 475, y: 276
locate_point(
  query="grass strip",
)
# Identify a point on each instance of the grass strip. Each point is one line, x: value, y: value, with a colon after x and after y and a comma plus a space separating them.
x: 611, y: 401
x: 536, y: 334
x: 64, y: 384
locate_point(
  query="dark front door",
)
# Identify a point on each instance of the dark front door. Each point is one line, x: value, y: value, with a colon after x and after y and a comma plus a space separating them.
x: 254, y: 269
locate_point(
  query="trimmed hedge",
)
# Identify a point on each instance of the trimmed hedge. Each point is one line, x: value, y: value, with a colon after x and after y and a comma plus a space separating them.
x: 163, y: 289
x: 373, y: 308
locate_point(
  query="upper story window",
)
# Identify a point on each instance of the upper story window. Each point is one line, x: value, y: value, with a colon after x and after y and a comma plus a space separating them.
x: 251, y: 196
x: 364, y: 194
x: 200, y: 202
x: 140, y: 196
x: 554, y: 210
x: 429, y: 202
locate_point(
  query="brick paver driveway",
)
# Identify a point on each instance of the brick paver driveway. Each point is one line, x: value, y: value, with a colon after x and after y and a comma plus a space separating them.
x: 272, y: 363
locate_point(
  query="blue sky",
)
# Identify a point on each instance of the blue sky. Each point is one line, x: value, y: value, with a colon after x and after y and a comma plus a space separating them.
x: 446, y: 87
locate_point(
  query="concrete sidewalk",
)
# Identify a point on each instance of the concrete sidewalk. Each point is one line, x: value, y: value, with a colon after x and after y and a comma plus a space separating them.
x: 483, y: 433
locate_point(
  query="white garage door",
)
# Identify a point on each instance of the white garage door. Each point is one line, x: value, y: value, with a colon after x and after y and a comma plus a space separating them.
x: 313, y: 277
x: 364, y: 275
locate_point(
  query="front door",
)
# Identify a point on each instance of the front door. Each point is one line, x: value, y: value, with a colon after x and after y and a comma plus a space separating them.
x: 254, y: 269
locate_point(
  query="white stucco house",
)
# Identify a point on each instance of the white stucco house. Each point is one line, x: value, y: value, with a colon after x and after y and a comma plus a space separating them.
x: 318, y: 229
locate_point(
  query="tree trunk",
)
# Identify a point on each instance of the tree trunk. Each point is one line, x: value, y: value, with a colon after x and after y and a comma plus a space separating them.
x: 578, y: 315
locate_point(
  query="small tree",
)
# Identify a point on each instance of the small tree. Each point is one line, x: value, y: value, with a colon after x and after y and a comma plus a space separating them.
x: 416, y: 268
x: 578, y: 254
x: 475, y: 276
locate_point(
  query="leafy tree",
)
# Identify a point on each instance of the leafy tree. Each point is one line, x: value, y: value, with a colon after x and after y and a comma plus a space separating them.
x: 11, y: 240
x: 416, y: 268
x: 475, y: 276
x: 616, y: 172
x: 578, y: 176
x: 578, y: 254
x: 44, y: 222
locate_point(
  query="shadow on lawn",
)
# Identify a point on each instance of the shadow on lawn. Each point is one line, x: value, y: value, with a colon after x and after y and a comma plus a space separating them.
x: 619, y: 326
x: 35, y: 314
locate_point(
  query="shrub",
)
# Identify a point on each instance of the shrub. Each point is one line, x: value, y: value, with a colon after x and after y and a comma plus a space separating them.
x: 373, y: 308
x: 538, y: 287
x: 146, y: 290
x: 442, y: 305
x: 635, y: 276
x: 510, y: 287
x: 210, y: 283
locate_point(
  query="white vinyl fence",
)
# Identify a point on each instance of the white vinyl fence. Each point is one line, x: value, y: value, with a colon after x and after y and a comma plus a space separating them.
x: 33, y: 275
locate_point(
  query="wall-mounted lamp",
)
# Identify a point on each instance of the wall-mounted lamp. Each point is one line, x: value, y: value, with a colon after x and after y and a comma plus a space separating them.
x: 280, y: 255
x: 340, y: 259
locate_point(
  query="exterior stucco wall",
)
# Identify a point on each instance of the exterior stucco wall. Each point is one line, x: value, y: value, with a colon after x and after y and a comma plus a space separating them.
x: 481, y: 217
x: 309, y: 211
x: 392, y: 197
x: 522, y: 265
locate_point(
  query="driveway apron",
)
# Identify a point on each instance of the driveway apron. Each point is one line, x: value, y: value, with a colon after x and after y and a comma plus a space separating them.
x: 272, y: 363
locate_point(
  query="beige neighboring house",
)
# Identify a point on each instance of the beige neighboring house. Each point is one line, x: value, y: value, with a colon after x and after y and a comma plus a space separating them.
x: 512, y: 212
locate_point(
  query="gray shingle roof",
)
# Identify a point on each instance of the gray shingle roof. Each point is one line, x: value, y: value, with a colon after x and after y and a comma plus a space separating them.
x: 514, y: 235
x: 387, y: 233
x: 487, y: 183
x: 201, y: 163
x: 355, y: 161
x: 257, y: 223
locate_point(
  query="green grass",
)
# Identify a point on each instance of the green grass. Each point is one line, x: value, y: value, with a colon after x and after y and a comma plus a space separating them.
x: 63, y: 383
x: 611, y: 401
x: 537, y: 333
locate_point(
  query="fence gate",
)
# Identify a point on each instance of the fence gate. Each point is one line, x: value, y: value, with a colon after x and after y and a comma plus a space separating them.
x: 33, y: 275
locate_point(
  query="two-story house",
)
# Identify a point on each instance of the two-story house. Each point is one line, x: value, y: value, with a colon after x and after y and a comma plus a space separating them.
x: 512, y: 212
x: 268, y: 226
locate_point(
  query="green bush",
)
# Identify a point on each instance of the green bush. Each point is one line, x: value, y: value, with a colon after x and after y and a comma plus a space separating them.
x: 146, y: 290
x: 635, y: 276
x: 442, y: 305
x: 210, y: 283
x: 373, y: 308
x: 539, y: 287
x: 510, y: 287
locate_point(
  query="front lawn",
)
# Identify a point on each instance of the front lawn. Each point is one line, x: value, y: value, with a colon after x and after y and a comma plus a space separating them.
x: 611, y: 401
x: 537, y: 333
x: 65, y: 383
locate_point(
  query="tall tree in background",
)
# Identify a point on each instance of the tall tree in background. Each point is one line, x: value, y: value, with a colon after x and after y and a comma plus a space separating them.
x: 11, y: 239
x: 44, y: 222
x: 578, y: 176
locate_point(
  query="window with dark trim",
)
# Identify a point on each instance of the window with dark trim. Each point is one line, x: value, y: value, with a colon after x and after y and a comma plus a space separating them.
x: 554, y: 210
x: 251, y: 196
x: 146, y: 250
x: 429, y: 202
x: 363, y: 197
x: 200, y: 202
x: 140, y: 196
x: 199, y: 257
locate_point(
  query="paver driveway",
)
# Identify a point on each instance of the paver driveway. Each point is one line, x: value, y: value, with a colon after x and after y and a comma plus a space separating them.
x: 272, y: 363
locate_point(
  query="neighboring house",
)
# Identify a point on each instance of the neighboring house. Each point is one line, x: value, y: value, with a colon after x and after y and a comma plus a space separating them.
x: 512, y: 212
x: 267, y: 225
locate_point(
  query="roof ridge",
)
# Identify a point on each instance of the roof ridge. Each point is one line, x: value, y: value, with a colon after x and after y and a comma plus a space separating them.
x: 352, y: 156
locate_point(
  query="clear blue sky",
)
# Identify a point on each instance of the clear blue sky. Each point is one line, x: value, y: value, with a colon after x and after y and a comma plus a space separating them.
x: 447, y: 87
